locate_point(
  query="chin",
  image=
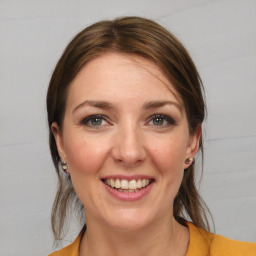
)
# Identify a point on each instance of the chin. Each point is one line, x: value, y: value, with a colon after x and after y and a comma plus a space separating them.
x: 130, y: 220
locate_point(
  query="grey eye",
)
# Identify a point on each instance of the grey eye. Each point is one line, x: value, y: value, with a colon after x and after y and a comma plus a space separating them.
x: 158, y: 121
x: 161, y: 120
x: 96, y: 121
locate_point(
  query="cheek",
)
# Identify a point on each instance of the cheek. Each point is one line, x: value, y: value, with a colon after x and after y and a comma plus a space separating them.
x: 85, y: 158
x: 168, y: 158
x: 168, y: 154
x: 85, y: 154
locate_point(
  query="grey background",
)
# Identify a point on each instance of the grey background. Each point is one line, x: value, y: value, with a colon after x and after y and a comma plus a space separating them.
x: 221, y: 37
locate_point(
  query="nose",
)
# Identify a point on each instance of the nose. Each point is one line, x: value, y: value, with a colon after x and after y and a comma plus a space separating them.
x: 128, y: 148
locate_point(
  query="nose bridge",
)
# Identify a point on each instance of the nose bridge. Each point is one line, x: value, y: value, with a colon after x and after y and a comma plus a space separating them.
x: 128, y: 147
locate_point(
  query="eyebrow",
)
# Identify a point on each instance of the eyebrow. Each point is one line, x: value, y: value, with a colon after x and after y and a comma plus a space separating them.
x: 107, y: 105
x: 159, y: 104
x: 96, y: 104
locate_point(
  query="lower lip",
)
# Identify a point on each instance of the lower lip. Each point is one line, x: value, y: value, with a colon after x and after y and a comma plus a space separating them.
x: 129, y: 196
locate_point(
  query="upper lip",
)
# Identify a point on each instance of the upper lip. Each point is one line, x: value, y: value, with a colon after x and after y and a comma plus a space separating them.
x: 125, y: 177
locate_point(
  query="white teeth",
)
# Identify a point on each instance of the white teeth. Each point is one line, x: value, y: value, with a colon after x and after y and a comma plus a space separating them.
x: 124, y: 184
x: 112, y: 183
x: 139, y: 184
x: 117, y: 183
x: 132, y: 184
x: 127, y: 186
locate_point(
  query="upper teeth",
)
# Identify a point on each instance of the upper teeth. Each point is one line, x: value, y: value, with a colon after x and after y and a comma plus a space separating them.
x: 125, y: 184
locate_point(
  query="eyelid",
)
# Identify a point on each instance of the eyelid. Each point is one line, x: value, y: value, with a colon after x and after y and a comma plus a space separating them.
x: 167, y: 118
x: 85, y: 120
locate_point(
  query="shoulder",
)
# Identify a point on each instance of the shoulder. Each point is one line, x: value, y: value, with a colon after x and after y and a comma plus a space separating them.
x: 72, y: 249
x: 203, y: 243
x: 232, y: 247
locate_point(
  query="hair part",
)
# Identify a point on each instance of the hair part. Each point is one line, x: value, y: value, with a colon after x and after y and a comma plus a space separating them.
x: 145, y: 38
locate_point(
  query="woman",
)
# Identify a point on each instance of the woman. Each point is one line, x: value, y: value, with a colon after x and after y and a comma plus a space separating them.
x: 125, y: 109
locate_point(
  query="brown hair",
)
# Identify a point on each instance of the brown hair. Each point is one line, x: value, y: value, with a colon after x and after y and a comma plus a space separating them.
x: 131, y: 35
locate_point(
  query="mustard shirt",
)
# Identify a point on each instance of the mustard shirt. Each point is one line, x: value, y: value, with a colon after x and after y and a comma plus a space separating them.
x: 201, y: 243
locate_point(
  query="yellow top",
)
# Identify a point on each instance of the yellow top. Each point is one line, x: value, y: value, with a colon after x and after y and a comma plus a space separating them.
x: 201, y: 243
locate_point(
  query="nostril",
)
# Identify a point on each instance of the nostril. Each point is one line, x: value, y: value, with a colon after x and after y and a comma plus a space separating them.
x: 128, y: 150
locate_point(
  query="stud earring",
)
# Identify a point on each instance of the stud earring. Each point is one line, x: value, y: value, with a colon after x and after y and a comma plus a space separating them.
x: 189, y: 160
x: 64, y: 166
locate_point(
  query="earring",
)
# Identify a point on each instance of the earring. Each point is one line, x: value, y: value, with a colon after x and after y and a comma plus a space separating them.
x: 189, y: 160
x: 64, y: 166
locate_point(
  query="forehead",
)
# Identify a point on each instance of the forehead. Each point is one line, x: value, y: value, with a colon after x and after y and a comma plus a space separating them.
x: 122, y: 77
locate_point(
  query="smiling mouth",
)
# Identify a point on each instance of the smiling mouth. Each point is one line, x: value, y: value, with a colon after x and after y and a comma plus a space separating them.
x: 131, y: 186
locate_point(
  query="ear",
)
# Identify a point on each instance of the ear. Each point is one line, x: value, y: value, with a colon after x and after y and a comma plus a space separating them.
x: 58, y: 139
x: 193, y: 145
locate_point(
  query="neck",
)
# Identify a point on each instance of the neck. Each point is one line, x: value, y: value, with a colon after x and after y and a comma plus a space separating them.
x: 166, y: 237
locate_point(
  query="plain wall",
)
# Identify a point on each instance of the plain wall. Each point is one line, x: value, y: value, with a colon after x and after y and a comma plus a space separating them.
x: 221, y: 37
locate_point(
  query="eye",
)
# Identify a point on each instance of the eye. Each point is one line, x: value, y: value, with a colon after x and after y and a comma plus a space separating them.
x: 161, y: 120
x: 94, y: 121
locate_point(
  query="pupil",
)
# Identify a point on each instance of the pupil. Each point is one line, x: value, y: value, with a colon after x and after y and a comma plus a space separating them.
x: 158, y: 121
x: 96, y: 121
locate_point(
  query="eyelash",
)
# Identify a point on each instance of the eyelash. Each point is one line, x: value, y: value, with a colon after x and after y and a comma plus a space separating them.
x: 86, y: 120
x: 164, y: 118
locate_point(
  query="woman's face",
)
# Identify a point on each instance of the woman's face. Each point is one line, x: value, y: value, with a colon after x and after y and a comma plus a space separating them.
x: 125, y: 139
